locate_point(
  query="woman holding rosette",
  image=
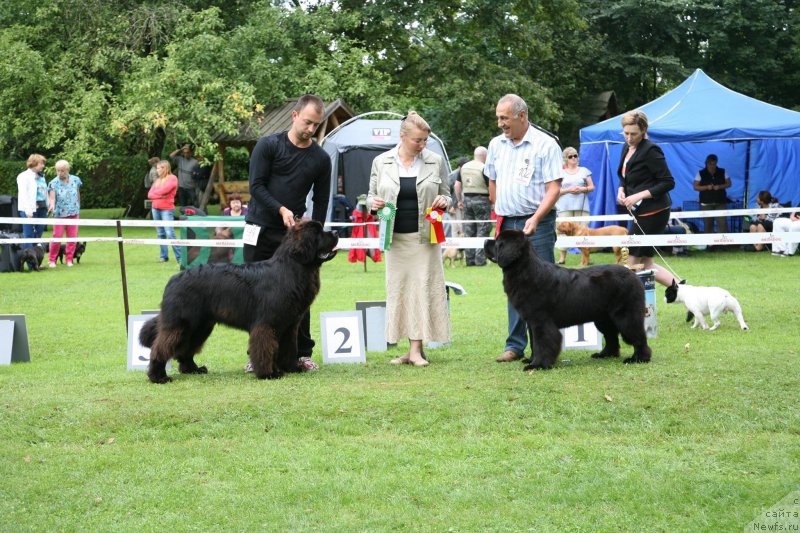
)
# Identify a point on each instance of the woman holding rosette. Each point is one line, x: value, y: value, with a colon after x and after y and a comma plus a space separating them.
x: 408, y: 189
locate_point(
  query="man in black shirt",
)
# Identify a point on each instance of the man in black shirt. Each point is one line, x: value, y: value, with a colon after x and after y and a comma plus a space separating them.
x: 712, y: 182
x: 284, y: 168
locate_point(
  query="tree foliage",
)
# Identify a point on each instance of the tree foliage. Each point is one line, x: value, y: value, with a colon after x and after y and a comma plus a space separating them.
x: 85, y: 79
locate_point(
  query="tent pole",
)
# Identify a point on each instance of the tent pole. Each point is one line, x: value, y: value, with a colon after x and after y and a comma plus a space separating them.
x: 746, y: 175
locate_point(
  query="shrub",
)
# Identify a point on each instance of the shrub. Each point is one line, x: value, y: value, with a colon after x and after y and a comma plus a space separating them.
x: 112, y: 183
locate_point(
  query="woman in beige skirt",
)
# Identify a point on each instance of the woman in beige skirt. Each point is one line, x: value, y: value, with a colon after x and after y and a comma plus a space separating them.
x: 413, y: 179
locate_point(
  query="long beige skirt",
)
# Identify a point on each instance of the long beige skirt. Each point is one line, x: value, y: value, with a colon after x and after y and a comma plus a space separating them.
x: 416, y: 299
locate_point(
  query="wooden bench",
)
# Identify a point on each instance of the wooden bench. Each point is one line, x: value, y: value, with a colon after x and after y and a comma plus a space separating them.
x: 228, y: 187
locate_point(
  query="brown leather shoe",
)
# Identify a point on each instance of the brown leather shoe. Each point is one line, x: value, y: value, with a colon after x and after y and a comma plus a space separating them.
x: 509, y: 356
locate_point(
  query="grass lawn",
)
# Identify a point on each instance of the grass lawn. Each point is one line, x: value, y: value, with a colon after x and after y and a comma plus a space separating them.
x: 704, y: 438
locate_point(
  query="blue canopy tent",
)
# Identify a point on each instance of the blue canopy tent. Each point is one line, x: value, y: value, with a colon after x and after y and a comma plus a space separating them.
x: 757, y: 143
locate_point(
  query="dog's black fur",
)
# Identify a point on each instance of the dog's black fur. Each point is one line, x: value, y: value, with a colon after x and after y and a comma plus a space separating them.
x: 80, y: 249
x: 32, y: 257
x: 267, y: 299
x: 549, y: 297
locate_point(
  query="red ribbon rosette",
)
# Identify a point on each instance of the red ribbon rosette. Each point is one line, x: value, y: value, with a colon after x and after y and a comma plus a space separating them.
x: 435, y: 217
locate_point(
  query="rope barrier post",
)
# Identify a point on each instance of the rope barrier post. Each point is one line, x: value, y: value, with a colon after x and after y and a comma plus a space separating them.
x: 124, y: 275
x: 364, y: 220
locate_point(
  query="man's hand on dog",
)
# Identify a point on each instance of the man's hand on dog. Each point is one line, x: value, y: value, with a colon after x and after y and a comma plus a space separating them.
x: 288, y: 217
x: 530, y: 226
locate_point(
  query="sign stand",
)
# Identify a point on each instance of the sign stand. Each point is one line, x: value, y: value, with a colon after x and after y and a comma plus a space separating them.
x: 13, y: 340
x: 342, y: 337
x: 138, y: 355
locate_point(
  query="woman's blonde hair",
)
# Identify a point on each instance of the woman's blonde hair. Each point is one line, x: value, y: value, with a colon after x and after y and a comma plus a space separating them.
x: 63, y: 163
x: 413, y: 120
x: 165, y: 163
x: 635, y: 118
x: 35, y: 159
x: 568, y: 151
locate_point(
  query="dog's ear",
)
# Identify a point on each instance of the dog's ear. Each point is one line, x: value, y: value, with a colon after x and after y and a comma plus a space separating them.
x: 509, y: 247
x: 683, y: 281
x: 302, y: 241
x: 488, y: 248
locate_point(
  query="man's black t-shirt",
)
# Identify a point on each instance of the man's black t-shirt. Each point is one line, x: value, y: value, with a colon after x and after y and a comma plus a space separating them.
x: 281, y: 174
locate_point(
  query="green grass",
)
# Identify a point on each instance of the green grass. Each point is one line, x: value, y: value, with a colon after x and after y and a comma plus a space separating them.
x: 703, y: 438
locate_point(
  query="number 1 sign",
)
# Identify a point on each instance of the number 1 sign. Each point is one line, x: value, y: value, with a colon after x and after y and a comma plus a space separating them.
x: 342, y: 337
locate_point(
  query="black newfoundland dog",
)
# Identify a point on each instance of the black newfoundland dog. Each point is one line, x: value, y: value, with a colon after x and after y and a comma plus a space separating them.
x: 550, y: 297
x: 267, y: 299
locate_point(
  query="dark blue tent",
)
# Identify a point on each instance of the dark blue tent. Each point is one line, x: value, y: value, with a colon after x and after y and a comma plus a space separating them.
x: 757, y: 143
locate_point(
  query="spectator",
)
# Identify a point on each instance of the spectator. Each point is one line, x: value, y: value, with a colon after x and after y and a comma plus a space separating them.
x: 152, y: 173
x: 186, y: 167
x: 576, y: 184
x: 42, y: 200
x: 472, y: 192
x: 27, y: 192
x: 65, y: 202
x: 412, y: 179
x: 763, y: 223
x: 235, y: 207
x: 454, y: 213
x: 712, y: 183
x: 162, y: 193
x: 784, y: 224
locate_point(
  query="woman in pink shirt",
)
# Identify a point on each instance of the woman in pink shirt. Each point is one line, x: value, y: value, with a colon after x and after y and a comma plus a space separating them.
x: 162, y: 194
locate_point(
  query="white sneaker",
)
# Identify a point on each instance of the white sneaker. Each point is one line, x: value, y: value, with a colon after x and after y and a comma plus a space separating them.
x: 52, y: 265
x: 69, y: 263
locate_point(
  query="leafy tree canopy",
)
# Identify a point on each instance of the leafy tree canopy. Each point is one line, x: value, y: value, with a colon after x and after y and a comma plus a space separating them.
x: 85, y: 79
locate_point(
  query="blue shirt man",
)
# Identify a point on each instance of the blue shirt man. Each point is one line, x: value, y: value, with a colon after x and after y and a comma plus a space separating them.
x: 524, y: 170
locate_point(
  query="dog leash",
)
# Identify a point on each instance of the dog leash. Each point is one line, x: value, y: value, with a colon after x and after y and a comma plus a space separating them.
x: 669, y: 267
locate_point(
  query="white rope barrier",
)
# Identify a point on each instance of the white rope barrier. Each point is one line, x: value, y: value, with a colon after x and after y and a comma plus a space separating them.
x: 712, y: 239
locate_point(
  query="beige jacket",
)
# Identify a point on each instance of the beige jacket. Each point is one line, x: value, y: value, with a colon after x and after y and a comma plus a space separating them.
x: 384, y: 182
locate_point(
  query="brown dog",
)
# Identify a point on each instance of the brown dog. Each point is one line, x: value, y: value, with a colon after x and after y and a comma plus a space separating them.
x: 576, y: 230
x: 452, y: 256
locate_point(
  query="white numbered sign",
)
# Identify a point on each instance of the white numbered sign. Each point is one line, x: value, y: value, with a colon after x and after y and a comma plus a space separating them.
x: 138, y: 355
x: 581, y: 337
x: 342, y: 337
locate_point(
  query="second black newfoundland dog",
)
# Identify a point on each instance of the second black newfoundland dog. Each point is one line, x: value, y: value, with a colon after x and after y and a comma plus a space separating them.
x: 267, y: 299
x: 549, y: 297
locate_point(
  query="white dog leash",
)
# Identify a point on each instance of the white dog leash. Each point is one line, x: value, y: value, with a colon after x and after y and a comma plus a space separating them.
x: 669, y: 267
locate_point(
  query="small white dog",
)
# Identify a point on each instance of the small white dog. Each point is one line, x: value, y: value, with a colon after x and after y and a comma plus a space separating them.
x: 704, y: 300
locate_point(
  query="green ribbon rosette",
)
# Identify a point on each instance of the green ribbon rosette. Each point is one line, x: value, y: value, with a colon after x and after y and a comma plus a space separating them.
x: 386, y: 215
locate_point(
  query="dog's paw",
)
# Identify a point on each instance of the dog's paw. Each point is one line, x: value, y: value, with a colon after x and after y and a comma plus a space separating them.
x: 633, y: 360
x: 272, y: 375
x: 160, y: 380
x: 603, y: 355
x: 536, y: 366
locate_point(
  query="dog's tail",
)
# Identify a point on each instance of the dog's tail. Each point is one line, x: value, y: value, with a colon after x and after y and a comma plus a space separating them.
x: 147, y: 335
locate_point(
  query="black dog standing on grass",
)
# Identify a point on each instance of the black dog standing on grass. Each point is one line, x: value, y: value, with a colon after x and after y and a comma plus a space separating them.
x: 550, y: 297
x: 32, y: 257
x: 267, y: 299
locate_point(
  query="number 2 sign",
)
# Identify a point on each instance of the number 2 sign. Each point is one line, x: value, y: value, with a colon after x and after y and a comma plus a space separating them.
x: 342, y: 337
